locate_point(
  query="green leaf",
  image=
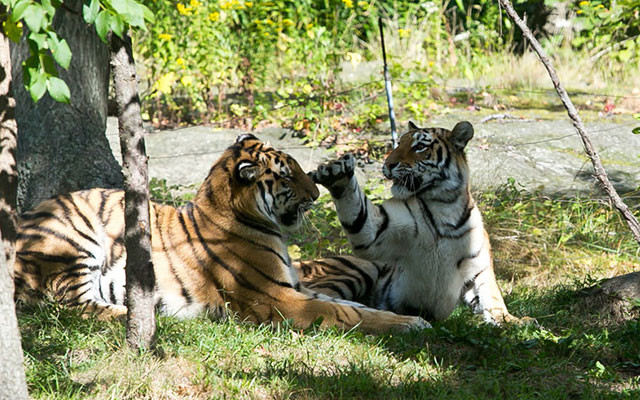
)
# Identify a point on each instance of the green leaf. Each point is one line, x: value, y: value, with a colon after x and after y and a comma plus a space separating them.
x: 11, y: 29
x: 62, y: 54
x: 58, y: 89
x: 37, y: 41
x: 148, y: 14
x: 48, y: 65
x: 636, y: 130
x: 35, y: 17
x: 102, y: 24
x: 18, y: 11
x: 117, y: 25
x: 121, y: 6
x: 38, y: 86
x: 460, y: 5
x: 48, y: 7
x: 90, y: 12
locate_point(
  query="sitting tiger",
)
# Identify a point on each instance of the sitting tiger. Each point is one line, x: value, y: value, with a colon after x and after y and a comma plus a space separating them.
x: 222, y: 251
x: 427, y: 244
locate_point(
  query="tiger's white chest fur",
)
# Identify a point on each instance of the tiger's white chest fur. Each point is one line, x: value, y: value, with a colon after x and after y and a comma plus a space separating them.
x: 432, y: 256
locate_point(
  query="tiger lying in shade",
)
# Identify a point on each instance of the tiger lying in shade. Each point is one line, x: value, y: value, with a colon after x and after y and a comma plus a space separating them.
x: 427, y: 244
x: 224, y: 250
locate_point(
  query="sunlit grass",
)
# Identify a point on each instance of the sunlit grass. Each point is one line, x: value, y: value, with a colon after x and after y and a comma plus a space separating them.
x: 546, y: 251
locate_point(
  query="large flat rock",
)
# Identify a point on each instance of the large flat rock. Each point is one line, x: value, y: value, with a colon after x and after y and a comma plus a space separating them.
x: 184, y: 156
x: 542, y: 151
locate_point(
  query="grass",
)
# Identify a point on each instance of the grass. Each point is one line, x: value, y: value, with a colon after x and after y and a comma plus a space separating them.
x: 546, y: 251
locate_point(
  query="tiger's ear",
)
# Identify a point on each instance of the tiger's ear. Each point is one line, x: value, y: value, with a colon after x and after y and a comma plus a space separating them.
x: 247, y: 171
x: 461, y: 134
x: 413, y: 126
x: 245, y: 136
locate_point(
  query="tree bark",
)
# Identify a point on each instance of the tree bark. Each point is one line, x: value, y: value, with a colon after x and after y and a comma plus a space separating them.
x: 8, y: 144
x: 62, y: 147
x: 12, y: 378
x: 600, y: 173
x: 141, y: 325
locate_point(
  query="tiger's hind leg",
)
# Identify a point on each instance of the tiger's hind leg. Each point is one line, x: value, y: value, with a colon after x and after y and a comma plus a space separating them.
x: 82, y: 286
x: 344, y: 277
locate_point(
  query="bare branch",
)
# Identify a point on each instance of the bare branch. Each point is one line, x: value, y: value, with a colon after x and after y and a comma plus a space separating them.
x: 600, y: 173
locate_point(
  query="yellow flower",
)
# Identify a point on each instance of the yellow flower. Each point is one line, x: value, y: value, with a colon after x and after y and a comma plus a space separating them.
x: 163, y: 85
x: 180, y: 61
x: 186, y: 80
x: 404, y: 32
x: 348, y: 3
x: 195, y: 3
x: 287, y: 22
x: 165, y: 36
x: 268, y: 21
x: 363, y: 4
x: 579, y: 12
x: 354, y: 58
x: 248, y: 3
x: 214, y: 16
x: 583, y: 3
x: 183, y: 10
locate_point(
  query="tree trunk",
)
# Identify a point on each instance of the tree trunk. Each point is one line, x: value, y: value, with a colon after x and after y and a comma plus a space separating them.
x: 12, y: 378
x: 141, y: 324
x: 62, y: 147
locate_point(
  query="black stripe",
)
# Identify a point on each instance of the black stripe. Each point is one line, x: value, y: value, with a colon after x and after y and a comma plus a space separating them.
x: 463, y: 219
x: 457, y: 235
x: 357, y: 225
x: 112, y: 293
x: 381, y: 229
x: 332, y: 286
x: 67, y: 288
x: 48, y: 257
x: 60, y: 236
x: 426, y: 215
x: 215, y: 258
x: 469, y: 257
x: 183, y: 290
x: 415, y: 223
x: 244, y: 238
x: 252, y: 223
x: 37, y: 215
x: 352, y: 266
x: 74, y: 301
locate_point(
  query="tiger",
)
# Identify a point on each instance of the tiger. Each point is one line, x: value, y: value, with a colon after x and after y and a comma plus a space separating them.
x: 224, y: 253
x: 426, y: 247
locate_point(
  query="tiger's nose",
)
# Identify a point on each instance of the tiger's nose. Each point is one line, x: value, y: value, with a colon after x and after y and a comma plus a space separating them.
x: 387, y: 168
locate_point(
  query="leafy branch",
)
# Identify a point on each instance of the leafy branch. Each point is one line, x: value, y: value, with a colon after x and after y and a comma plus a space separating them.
x: 47, y: 48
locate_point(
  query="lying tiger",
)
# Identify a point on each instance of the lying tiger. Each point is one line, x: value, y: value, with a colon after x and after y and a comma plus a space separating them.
x: 222, y: 251
x: 427, y: 244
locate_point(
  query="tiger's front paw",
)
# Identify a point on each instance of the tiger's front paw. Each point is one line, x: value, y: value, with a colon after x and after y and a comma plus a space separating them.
x: 415, y: 324
x: 335, y: 175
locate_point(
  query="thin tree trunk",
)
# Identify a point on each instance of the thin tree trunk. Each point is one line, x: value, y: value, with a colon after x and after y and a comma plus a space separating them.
x: 600, y: 173
x: 141, y: 324
x: 12, y: 378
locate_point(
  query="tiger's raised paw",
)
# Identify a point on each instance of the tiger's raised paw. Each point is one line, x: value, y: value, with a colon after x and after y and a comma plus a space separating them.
x: 335, y: 174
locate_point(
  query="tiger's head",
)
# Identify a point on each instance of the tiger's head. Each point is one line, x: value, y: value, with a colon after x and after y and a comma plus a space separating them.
x: 263, y: 184
x: 429, y: 160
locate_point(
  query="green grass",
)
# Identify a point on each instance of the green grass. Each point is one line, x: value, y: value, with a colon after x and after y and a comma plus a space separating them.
x: 546, y: 251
